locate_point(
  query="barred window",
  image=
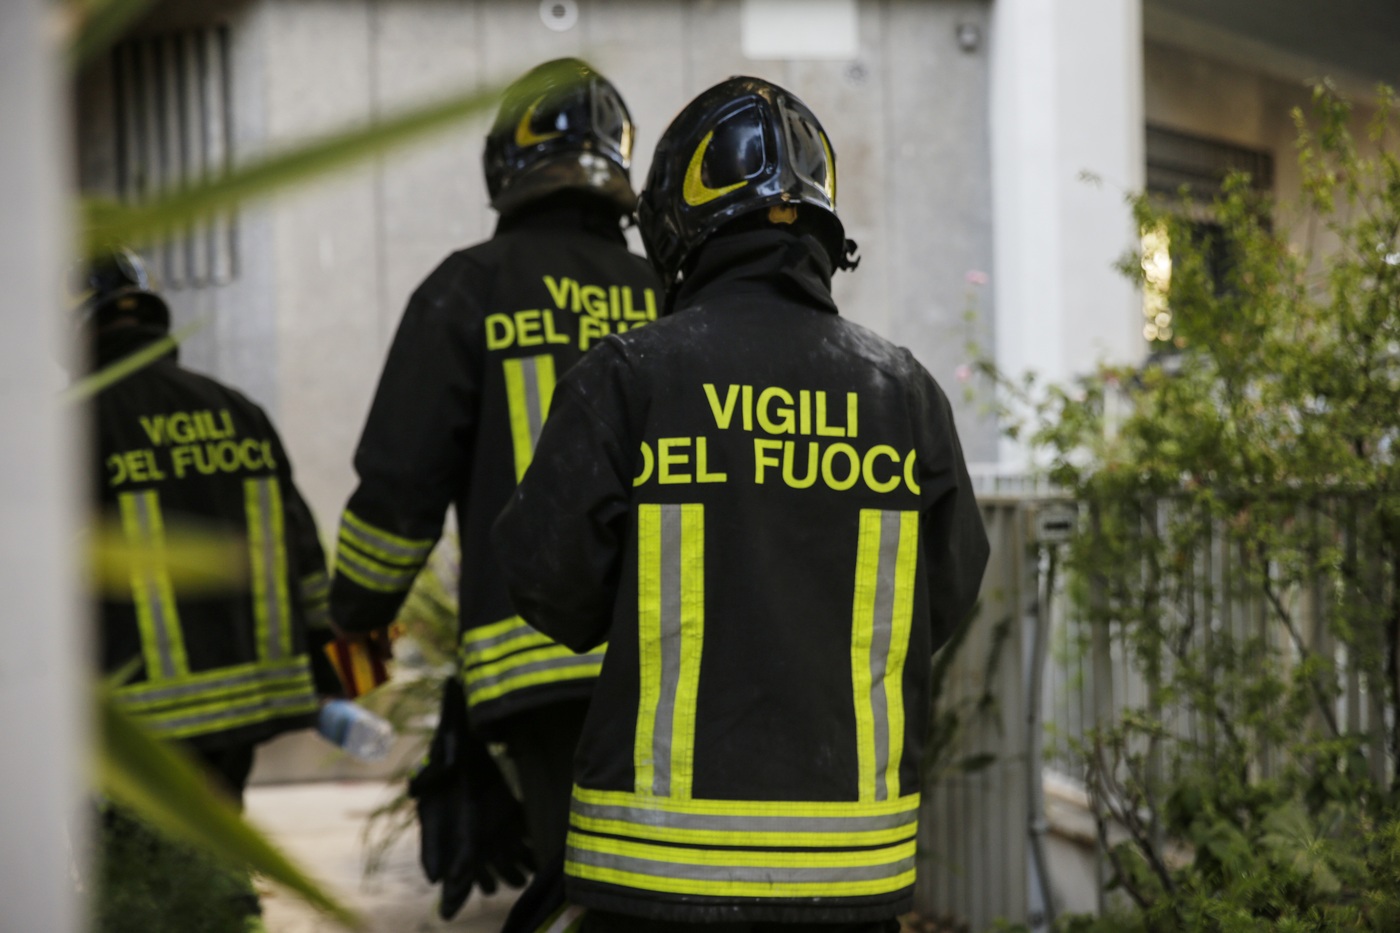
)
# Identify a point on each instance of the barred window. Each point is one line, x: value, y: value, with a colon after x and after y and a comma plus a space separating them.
x: 174, y: 127
x: 1201, y: 164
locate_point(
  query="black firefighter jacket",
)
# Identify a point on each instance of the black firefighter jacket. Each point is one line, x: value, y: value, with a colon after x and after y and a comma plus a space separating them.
x: 464, y: 391
x: 764, y: 508
x: 192, y: 472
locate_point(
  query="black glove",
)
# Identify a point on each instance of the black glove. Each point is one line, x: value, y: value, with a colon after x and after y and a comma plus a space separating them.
x: 472, y: 827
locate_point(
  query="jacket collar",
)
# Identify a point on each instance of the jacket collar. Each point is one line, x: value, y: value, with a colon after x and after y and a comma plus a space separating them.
x: 760, y: 262
x: 119, y: 342
x: 566, y: 211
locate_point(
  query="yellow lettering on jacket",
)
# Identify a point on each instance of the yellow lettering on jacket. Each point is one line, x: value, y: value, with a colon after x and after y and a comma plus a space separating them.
x: 182, y: 427
x: 672, y: 462
x: 604, y: 302
x: 779, y: 410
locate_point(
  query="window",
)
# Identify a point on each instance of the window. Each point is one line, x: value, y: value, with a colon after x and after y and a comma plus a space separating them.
x: 1180, y: 162
x: 174, y: 127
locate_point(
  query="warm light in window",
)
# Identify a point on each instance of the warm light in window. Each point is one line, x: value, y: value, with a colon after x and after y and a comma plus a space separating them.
x: 1157, y: 277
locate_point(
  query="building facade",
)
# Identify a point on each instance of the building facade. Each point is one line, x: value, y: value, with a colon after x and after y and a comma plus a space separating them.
x: 986, y: 150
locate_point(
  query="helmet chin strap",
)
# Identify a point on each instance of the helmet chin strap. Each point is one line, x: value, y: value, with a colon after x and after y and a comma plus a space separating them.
x: 849, y: 258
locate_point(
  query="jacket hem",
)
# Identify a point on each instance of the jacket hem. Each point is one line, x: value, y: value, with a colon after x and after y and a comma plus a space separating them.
x: 695, y: 909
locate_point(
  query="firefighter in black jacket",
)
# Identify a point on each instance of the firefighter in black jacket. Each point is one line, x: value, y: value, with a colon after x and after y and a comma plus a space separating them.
x: 764, y: 509
x: 465, y: 389
x: 218, y: 669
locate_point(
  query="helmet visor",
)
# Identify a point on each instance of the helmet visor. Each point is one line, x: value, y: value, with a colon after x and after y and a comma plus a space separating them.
x: 809, y: 152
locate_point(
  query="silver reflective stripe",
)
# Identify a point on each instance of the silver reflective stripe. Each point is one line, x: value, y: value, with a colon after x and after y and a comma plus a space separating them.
x: 880, y: 646
x: 670, y: 648
x: 315, y: 599
x: 365, y: 536
x: 714, y: 869
x: 374, y: 578
x: 475, y: 645
x: 203, y: 722
x: 746, y: 823
x: 144, y: 693
x: 315, y: 586
x: 271, y: 567
x: 534, y: 408
x: 564, y: 662
x: 163, y: 617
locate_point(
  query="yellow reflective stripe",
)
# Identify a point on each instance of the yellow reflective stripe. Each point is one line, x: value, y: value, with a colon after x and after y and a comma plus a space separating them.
x: 358, y: 569
x: 648, y: 644
x: 783, y: 809
x: 671, y: 885
x: 671, y: 632
x: 165, y: 706
x: 862, y: 635
x: 222, y: 717
x: 690, y: 638
x: 380, y: 543
x: 490, y: 642
x: 267, y: 553
x: 157, y: 614
x: 741, y: 837
x: 905, y: 574
x: 529, y: 389
x: 886, y: 562
x: 219, y: 682
x: 747, y: 858
x: 551, y: 664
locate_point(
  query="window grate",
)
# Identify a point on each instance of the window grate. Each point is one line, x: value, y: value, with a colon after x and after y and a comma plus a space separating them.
x: 174, y: 128
x: 1176, y: 160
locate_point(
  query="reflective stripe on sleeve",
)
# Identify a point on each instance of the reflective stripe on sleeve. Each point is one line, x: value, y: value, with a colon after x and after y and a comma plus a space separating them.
x: 506, y: 656
x: 886, y: 562
x: 373, y: 576
x: 157, y: 615
x: 671, y: 629
x: 381, y: 544
x: 529, y: 388
x: 315, y: 599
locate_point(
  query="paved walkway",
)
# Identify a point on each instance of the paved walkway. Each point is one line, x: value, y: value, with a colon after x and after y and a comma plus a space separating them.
x: 321, y: 827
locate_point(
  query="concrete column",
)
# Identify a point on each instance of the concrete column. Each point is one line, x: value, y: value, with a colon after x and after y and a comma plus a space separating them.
x: 41, y: 690
x: 1067, y: 148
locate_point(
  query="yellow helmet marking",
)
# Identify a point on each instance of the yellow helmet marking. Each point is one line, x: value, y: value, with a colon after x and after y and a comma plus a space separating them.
x: 696, y: 192
x: 830, y: 169
x: 524, y: 136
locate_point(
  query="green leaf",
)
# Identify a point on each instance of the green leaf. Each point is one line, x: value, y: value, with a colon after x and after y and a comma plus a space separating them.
x: 199, y: 558
x: 96, y: 24
x: 165, y: 788
x: 107, y: 223
x: 89, y: 386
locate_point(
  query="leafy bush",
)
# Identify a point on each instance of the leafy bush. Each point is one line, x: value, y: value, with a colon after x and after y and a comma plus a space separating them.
x: 1241, y: 544
x: 149, y: 884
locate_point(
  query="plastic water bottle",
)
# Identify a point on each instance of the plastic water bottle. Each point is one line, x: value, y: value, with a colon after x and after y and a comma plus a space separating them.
x: 360, y: 733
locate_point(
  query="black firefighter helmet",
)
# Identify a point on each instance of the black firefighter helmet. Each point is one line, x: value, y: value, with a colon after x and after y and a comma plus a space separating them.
x: 745, y: 145
x: 114, y: 286
x: 561, y: 126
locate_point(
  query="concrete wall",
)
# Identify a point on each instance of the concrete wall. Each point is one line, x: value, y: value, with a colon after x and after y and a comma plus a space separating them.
x: 324, y: 273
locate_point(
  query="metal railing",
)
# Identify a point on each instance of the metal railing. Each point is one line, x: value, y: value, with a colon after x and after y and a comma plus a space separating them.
x: 1042, y: 668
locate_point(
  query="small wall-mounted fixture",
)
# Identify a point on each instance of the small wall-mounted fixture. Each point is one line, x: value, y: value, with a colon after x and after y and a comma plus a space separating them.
x: 969, y: 36
x: 559, y: 15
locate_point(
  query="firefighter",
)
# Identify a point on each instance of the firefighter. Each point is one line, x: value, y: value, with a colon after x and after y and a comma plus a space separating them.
x: 466, y: 386
x: 765, y: 511
x: 224, y: 666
